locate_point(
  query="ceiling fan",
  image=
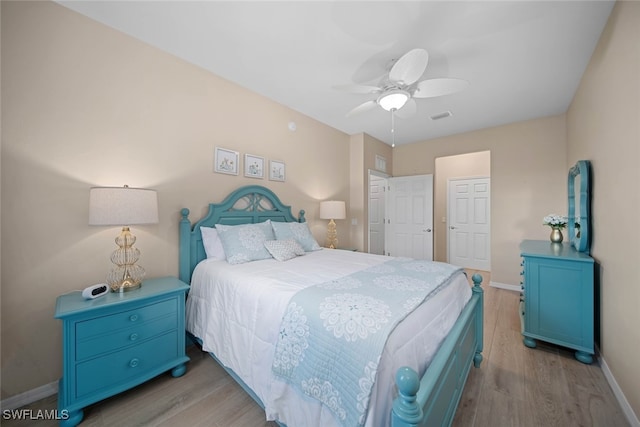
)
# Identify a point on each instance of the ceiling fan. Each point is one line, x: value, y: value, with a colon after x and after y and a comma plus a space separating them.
x: 400, y: 87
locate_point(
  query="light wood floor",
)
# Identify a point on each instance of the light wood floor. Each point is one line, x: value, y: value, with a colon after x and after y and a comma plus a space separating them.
x: 519, y: 386
x: 515, y: 386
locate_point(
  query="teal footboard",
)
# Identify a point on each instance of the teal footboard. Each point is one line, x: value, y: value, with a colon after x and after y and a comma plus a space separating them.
x: 432, y: 400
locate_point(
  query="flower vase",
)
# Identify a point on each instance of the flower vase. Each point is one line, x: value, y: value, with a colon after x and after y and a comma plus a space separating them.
x: 556, y: 235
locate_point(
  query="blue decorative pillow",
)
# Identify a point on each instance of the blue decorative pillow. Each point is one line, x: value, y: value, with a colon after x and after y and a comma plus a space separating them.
x: 298, y: 231
x: 245, y: 242
x: 284, y: 250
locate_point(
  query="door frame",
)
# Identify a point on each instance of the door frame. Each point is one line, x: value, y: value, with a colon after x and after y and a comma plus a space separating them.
x: 385, y: 177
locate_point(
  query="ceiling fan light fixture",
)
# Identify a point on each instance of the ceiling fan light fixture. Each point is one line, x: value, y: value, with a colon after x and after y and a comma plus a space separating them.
x: 393, y: 99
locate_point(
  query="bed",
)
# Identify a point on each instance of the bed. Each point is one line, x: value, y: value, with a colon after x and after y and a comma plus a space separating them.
x: 246, y: 339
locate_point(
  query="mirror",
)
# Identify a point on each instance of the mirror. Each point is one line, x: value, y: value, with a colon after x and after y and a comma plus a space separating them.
x: 578, y: 218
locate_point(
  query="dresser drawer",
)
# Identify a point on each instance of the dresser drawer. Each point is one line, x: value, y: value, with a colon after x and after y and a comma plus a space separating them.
x: 100, y: 325
x: 122, y: 366
x: 125, y: 337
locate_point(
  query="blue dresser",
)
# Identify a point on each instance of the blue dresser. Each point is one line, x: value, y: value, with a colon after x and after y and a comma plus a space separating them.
x: 119, y: 340
x: 557, y: 303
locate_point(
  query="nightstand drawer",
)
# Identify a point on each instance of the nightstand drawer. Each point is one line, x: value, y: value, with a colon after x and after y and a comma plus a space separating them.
x: 125, y: 319
x: 129, y: 364
x: 124, y: 337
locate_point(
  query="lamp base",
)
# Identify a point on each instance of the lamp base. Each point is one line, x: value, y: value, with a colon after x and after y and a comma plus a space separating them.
x: 125, y: 286
x: 125, y: 278
x: 332, y: 235
x: 126, y: 275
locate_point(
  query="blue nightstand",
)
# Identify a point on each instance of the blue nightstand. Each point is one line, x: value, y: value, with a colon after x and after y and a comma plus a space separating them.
x: 118, y: 341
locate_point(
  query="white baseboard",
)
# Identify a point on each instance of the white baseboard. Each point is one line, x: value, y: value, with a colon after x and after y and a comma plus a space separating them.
x: 505, y: 286
x: 30, y: 396
x: 617, y: 392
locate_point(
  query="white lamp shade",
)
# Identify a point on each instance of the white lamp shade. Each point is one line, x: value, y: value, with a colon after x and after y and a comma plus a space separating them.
x: 122, y: 206
x: 333, y: 209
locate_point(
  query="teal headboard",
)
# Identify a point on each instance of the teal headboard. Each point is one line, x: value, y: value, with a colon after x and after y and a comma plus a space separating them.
x: 246, y: 205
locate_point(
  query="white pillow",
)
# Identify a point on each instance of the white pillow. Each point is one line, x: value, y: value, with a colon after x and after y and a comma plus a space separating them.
x: 212, y: 244
x: 298, y: 231
x: 245, y: 242
x: 284, y: 250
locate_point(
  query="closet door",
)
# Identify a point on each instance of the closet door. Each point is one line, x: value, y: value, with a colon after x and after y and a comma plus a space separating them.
x: 409, y: 228
x: 469, y: 223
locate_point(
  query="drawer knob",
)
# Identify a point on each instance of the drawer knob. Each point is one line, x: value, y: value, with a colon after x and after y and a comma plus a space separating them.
x: 133, y: 337
x: 134, y: 362
x: 133, y: 317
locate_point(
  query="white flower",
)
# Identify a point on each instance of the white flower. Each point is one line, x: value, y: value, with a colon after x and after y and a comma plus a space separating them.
x: 555, y: 221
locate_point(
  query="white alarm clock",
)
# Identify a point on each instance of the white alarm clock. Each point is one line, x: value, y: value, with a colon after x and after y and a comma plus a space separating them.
x: 95, y: 291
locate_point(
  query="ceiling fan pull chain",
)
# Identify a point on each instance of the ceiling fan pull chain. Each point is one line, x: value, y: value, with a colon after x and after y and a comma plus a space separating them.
x: 393, y: 128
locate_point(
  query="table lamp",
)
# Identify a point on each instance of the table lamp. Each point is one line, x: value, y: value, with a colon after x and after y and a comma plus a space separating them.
x: 332, y: 209
x: 123, y: 206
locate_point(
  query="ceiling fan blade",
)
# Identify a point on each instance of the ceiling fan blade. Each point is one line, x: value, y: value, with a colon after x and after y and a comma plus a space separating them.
x: 439, y: 87
x: 410, y: 67
x: 364, y: 89
x: 362, y: 108
x: 408, y: 110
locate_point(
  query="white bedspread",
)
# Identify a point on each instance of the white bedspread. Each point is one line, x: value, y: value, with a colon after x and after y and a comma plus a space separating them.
x: 236, y: 311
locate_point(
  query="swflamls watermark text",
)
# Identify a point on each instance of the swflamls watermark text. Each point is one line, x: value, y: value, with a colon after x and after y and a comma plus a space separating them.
x: 34, y: 414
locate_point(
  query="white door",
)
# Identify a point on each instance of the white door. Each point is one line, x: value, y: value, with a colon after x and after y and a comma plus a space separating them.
x: 410, y: 217
x: 377, y: 186
x: 469, y: 223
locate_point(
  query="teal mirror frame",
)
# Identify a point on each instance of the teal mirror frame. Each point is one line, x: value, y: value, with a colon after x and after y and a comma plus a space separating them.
x: 580, y: 197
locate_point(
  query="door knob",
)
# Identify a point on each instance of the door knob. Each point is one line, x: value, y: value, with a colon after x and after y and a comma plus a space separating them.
x: 428, y: 230
x: 453, y: 227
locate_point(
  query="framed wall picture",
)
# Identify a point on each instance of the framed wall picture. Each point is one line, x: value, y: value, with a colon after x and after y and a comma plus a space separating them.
x: 276, y: 170
x: 226, y: 161
x: 253, y: 166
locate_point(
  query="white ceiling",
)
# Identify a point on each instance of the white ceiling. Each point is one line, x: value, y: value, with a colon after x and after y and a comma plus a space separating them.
x: 522, y: 59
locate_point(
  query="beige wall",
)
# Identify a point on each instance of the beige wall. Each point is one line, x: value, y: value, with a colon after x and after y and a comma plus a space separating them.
x: 472, y: 165
x: 85, y: 105
x: 356, y: 184
x: 603, y: 126
x: 528, y: 181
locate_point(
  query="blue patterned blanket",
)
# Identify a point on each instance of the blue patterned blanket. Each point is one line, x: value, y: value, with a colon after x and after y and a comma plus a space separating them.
x: 332, y: 334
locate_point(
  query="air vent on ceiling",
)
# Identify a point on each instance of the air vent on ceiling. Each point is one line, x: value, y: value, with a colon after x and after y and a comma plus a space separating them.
x: 441, y: 115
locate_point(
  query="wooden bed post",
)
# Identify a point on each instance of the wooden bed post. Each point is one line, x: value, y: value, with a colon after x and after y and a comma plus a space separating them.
x: 405, y: 406
x: 477, y: 290
x: 184, y: 267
